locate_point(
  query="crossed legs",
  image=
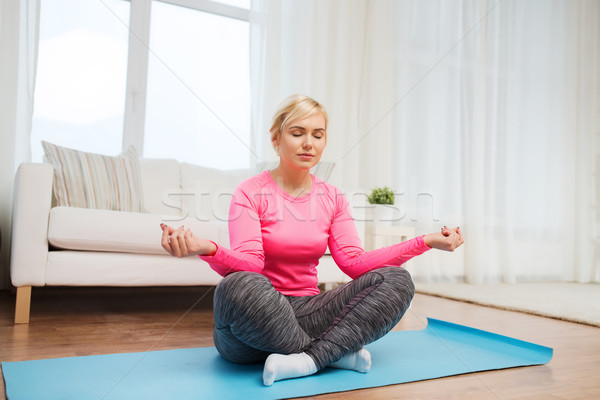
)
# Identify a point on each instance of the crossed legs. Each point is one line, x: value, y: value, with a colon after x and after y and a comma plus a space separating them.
x: 298, y: 336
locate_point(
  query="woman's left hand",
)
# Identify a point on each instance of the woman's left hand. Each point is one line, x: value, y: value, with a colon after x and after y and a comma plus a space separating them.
x: 448, y: 239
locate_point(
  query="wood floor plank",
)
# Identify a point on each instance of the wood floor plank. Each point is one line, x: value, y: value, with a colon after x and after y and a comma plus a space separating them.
x: 68, y: 322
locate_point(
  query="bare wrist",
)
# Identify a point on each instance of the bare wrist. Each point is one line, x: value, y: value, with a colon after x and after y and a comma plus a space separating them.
x: 427, y: 241
x: 211, y: 250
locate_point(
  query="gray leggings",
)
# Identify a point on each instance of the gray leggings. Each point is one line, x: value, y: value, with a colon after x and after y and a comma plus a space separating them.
x: 253, y: 320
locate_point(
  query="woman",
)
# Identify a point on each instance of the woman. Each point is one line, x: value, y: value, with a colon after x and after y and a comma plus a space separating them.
x: 267, y: 307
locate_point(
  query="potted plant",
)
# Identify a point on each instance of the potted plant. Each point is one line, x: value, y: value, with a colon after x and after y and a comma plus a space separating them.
x: 382, y: 199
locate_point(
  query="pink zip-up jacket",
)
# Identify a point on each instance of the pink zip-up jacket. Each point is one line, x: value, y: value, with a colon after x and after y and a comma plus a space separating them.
x: 283, y: 237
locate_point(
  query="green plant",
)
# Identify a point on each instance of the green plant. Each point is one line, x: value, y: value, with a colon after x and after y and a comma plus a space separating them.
x: 382, y: 195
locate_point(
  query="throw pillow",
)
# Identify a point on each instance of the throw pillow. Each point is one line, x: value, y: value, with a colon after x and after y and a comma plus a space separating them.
x: 90, y: 180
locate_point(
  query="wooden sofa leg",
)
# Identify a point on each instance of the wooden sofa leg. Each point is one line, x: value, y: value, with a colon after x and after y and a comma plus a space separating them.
x: 23, y: 304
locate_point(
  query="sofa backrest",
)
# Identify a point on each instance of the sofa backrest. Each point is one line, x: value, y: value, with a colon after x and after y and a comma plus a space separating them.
x: 161, y: 184
x: 183, y: 190
x: 189, y: 191
x: 207, y: 192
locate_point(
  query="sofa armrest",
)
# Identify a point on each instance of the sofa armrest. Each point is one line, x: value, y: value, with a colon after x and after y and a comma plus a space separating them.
x: 31, y: 210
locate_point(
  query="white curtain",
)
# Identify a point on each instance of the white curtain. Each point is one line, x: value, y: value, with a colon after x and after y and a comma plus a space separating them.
x: 19, y: 23
x: 327, y: 50
x: 482, y: 114
x: 582, y: 103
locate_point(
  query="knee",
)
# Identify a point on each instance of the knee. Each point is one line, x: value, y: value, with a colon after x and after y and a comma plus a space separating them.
x: 399, y: 282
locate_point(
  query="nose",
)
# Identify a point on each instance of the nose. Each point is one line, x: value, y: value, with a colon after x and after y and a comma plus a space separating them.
x: 307, y: 143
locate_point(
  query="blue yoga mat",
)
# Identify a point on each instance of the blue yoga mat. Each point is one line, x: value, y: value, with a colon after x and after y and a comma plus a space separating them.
x: 442, y: 349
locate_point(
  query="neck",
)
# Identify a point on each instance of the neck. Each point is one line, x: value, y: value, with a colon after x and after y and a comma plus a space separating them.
x: 295, y: 182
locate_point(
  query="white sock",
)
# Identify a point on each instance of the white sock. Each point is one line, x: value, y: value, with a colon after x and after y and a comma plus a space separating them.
x: 358, y: 361
x: 280, y: 366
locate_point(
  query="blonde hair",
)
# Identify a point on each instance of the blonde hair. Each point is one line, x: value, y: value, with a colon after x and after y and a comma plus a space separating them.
x: 294, y: 107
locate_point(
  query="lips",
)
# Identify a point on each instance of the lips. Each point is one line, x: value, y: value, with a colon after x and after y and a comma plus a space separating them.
x: 306, y: 156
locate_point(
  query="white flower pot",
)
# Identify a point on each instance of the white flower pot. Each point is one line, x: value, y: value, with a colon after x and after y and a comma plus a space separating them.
x: 382, y: 214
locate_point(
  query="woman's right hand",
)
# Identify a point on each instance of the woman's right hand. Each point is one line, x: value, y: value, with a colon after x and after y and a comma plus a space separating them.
x: 182, y: 243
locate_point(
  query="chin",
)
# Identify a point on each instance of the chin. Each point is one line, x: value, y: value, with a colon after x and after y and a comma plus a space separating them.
x: 297, y: 164
x: 308, y: 165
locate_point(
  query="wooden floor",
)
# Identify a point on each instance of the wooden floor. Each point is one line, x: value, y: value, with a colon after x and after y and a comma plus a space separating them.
x: 76, y: 322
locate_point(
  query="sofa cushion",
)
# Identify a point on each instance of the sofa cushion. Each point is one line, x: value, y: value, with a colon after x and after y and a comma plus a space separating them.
x: 116, y: 231
x: 121, y: 269
x: 207, y: 191
x: 161, y: 183
x: 92, y: 180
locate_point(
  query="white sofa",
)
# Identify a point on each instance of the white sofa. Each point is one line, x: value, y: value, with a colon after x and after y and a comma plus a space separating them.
x: 67, y: 246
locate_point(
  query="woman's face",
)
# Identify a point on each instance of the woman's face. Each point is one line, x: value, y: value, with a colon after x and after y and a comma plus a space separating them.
x: 301, y: 143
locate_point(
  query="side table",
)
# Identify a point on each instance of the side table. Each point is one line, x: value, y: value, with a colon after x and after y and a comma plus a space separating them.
x: 377, y: 236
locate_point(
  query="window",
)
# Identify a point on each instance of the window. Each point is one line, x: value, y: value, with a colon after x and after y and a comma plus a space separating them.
x: 198, y: 90
x: 81, y: 75
x: 175, y: 85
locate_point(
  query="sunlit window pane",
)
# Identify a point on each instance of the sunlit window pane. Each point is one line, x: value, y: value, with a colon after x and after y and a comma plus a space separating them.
x: 237, y: 3
x: 81, y: 75
x: 198, y: 100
